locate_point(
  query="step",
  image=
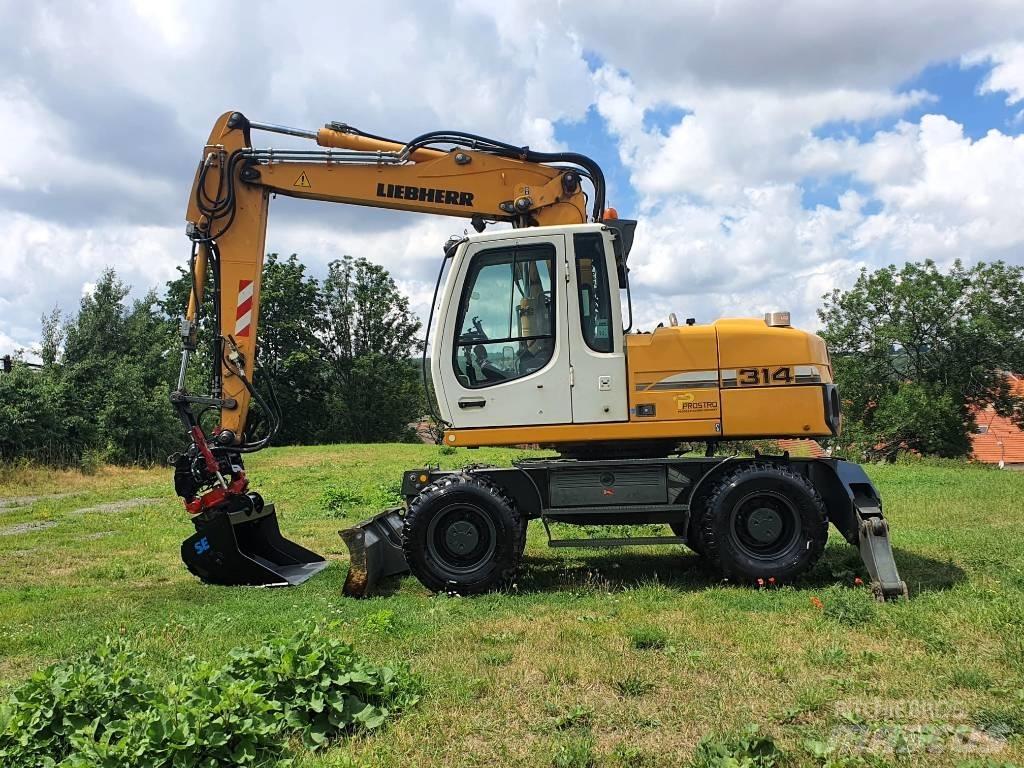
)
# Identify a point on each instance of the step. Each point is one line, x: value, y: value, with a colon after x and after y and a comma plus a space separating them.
x: 616, y: 509
x: 629, y: 541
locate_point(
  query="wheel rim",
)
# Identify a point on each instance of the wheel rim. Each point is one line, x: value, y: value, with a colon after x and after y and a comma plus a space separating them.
x: 765, y: 525
x: 461, y: 538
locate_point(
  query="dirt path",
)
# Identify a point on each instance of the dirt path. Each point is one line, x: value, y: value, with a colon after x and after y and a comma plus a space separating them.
x: 40, y: 525
x: 116, y: 506
x: 23, y: 501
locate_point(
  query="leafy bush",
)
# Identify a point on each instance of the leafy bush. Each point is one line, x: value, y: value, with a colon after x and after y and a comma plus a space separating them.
x: 58, y: 709
x: 102, y: 712
x: 750, y: 748
x: 324, y: 687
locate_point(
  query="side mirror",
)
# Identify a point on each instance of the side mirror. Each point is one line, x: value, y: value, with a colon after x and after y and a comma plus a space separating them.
x: 622, y: 240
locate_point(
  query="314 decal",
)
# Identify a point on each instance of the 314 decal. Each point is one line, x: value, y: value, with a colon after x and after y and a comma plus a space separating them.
x: 757, y: 377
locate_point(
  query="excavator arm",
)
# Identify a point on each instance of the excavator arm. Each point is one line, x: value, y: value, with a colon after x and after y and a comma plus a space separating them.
x: 445, y: 173
x: 227, y: 212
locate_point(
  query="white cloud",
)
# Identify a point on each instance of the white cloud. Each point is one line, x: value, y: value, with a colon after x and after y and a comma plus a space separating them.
x: 103, y: 120
x: 729, y: 139
x: 792, y: 47
x: 1007, y: 73
x: 39, y: 158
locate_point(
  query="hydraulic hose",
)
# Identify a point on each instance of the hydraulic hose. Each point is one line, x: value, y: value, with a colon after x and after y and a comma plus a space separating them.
x: 502, y: 149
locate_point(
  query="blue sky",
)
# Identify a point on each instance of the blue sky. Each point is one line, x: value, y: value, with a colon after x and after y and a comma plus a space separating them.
x: 769, y: 151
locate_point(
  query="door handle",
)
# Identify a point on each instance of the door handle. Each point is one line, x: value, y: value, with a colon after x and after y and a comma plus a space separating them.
x: 472, y: 402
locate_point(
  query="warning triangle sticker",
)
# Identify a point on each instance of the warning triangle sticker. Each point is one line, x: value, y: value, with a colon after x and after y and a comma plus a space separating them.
x: 302, y: 181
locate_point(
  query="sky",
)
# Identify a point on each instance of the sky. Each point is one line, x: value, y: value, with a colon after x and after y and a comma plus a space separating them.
x: 770, y: 150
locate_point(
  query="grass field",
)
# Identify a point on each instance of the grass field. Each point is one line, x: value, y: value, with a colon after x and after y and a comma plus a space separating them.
x: 622, y: 658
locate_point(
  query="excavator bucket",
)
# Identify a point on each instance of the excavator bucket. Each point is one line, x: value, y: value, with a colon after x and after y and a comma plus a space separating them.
x: 247, y: 548
x: 375, y: 552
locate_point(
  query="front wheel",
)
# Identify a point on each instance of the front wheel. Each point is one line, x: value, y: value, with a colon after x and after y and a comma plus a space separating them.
x: 463, y: 535
x: 763, y: 521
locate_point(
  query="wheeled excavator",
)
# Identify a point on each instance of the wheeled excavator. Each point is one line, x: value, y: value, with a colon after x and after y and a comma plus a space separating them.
x: 532, y: 343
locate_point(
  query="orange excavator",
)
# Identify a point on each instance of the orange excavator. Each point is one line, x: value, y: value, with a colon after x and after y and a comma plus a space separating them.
x: 532, y: 344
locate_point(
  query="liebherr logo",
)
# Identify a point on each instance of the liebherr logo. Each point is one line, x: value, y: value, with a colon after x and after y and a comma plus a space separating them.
x: 425, y: 194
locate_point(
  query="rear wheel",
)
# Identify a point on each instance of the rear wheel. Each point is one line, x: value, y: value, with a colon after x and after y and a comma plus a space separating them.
x: 763, y: 521
x: 463, y: 535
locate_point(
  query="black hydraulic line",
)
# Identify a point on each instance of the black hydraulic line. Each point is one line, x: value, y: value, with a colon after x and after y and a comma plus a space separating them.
x: 218, y: 340
x: 275, y: 423
x: 224, y: 205
x: 520, y: 153
x: 273, y: 413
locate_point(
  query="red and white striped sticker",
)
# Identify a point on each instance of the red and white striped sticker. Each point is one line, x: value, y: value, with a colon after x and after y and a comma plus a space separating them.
x: 243, y: 315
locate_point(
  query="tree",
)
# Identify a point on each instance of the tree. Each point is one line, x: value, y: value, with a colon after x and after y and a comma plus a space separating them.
x: 31, y: 416
x: 917, y: 350
x: 370, y: 338
x: 290, y: 354
x: 114, y: 372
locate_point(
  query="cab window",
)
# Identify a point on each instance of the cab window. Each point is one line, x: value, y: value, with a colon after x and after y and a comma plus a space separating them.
x: 594, y: 294
x: 506, y: 317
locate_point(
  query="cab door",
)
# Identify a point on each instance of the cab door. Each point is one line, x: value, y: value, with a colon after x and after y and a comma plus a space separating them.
x: 597, y: 354
x: 508, y: 342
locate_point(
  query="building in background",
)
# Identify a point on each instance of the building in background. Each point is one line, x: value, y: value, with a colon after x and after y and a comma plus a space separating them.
x: 996, y: 439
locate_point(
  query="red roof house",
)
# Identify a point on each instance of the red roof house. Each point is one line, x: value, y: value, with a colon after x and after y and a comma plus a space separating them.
x: 996, y: 439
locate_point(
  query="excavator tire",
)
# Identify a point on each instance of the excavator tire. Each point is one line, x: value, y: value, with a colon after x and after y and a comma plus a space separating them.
x: 762, y: 521
x: 463, y: 535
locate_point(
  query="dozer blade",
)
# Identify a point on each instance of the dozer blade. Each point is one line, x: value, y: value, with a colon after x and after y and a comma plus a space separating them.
x: 242, y: 548
x: 375, y: 551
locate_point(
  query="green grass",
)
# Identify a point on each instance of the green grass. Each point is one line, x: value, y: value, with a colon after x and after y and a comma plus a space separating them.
x: 603, y: 658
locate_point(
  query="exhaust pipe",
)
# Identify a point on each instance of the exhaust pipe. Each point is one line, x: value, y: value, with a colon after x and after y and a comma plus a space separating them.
x: 375, y: 552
